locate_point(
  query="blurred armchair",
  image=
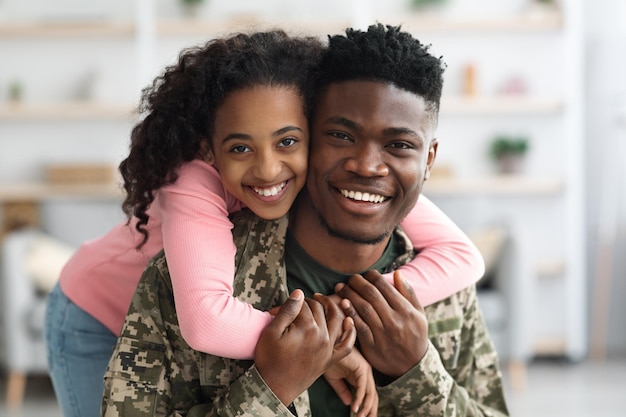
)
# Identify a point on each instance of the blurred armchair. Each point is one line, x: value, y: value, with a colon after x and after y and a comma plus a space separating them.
x: 31, y: 262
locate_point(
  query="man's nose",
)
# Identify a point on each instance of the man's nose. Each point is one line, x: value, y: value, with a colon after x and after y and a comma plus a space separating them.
x: 367, y: 161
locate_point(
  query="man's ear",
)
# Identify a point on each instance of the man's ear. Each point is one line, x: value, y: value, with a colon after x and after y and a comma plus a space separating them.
x: 432, y: 155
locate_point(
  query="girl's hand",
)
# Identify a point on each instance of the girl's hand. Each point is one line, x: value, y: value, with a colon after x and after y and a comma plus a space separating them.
x: 357, y: 372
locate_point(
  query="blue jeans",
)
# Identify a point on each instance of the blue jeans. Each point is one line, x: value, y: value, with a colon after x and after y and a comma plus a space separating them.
x: 79, y: 348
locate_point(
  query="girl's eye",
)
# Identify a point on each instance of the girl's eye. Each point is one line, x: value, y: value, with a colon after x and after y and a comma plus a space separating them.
x: 287, y: 142
x: 240, y: 149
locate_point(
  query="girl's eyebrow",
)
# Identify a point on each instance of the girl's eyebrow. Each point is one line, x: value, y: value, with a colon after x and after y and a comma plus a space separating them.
x: 245, y: 136
x: 238, y: 136
x: 286, y: 129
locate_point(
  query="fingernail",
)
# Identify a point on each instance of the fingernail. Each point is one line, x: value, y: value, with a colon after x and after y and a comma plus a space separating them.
x: 296, y: 295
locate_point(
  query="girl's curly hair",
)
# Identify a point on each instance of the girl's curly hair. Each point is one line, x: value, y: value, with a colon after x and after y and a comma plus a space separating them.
x: 180, y: 105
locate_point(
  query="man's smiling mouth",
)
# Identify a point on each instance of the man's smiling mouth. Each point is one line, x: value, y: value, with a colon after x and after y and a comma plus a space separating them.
x: 363, y: 196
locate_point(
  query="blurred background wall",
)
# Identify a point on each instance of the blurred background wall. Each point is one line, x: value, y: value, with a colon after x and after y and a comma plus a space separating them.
x: 605, y: 137
x: 548, y: 74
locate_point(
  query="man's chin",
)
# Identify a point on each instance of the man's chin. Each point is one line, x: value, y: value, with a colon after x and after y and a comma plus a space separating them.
x: 360, y: 237
x: 363, y: 235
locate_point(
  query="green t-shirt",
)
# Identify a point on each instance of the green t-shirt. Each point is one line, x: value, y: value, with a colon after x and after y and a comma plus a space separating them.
x: 310, y: 276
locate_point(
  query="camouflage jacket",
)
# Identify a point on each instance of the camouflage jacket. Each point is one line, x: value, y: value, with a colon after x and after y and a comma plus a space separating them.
x: 153, y: 372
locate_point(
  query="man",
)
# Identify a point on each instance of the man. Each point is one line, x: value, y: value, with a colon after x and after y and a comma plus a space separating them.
x: 372, y: 133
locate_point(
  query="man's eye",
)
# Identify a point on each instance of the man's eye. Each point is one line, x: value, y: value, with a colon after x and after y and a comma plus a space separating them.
x: 287, y: 142
x: 339, y: 135
x: 240, y: 149
x: 401, y: 145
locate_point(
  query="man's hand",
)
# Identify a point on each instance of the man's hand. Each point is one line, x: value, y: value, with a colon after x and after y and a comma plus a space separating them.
x: 305, y: 338
x: 391, y: 325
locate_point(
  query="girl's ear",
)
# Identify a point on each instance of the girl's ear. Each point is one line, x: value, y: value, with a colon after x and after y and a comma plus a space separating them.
x: 205, y: 151
x: 208, y: 157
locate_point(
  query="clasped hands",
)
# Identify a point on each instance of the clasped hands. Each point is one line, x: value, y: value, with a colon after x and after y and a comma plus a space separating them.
x: 310, y: 336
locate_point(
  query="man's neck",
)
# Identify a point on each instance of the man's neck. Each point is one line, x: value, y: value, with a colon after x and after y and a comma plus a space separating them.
x: 336, y: 253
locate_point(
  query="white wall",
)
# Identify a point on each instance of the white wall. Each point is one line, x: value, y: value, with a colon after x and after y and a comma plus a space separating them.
x: 606, y: 154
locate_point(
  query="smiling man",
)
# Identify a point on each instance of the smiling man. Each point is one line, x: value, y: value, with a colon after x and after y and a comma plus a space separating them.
x: 372, y: 147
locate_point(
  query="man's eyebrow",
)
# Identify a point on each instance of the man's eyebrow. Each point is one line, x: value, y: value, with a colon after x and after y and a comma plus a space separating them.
x: 395, y: 131
x: 391, y: 131
x: 343, y: 121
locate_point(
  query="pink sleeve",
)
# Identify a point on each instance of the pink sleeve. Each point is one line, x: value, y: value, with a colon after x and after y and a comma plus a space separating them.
x: 200, y: 254
x: 448, y: 261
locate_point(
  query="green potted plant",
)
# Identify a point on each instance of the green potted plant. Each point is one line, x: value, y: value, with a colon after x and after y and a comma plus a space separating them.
x: 427, y: 5
x: 509, y: 152
x: 542, y: 8
x: 191, y: 8
x: 16, y: 91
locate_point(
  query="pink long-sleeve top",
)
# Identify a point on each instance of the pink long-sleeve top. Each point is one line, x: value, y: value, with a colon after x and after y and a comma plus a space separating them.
x: 189, y: 220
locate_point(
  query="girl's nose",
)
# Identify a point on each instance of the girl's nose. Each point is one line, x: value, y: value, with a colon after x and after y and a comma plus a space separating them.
x: 268, y: 166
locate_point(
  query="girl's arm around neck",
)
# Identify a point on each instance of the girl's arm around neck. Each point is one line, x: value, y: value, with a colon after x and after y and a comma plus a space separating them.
x: 447, y: 261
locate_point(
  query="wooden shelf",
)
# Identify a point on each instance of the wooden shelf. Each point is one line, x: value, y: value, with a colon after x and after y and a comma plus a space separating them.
x: 412, y: 22
x: 66, y: 29
x: 511, y: 104
x: 33, y: 191
x: 522, y: 23
x: 553, y: 346
x: 550, y: 267
x: 77, y: 110
x: 497, y: 186
x: 201, y: 26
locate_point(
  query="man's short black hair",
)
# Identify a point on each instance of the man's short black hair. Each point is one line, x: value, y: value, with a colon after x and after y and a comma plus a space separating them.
x: 384, y: 54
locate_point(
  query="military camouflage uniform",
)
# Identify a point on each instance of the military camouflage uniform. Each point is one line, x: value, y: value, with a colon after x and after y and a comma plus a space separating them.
x: 153, y: 372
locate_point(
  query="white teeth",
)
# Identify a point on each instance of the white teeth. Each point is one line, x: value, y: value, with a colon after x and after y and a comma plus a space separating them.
x: 270, y: 191
x: 359, y: 196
